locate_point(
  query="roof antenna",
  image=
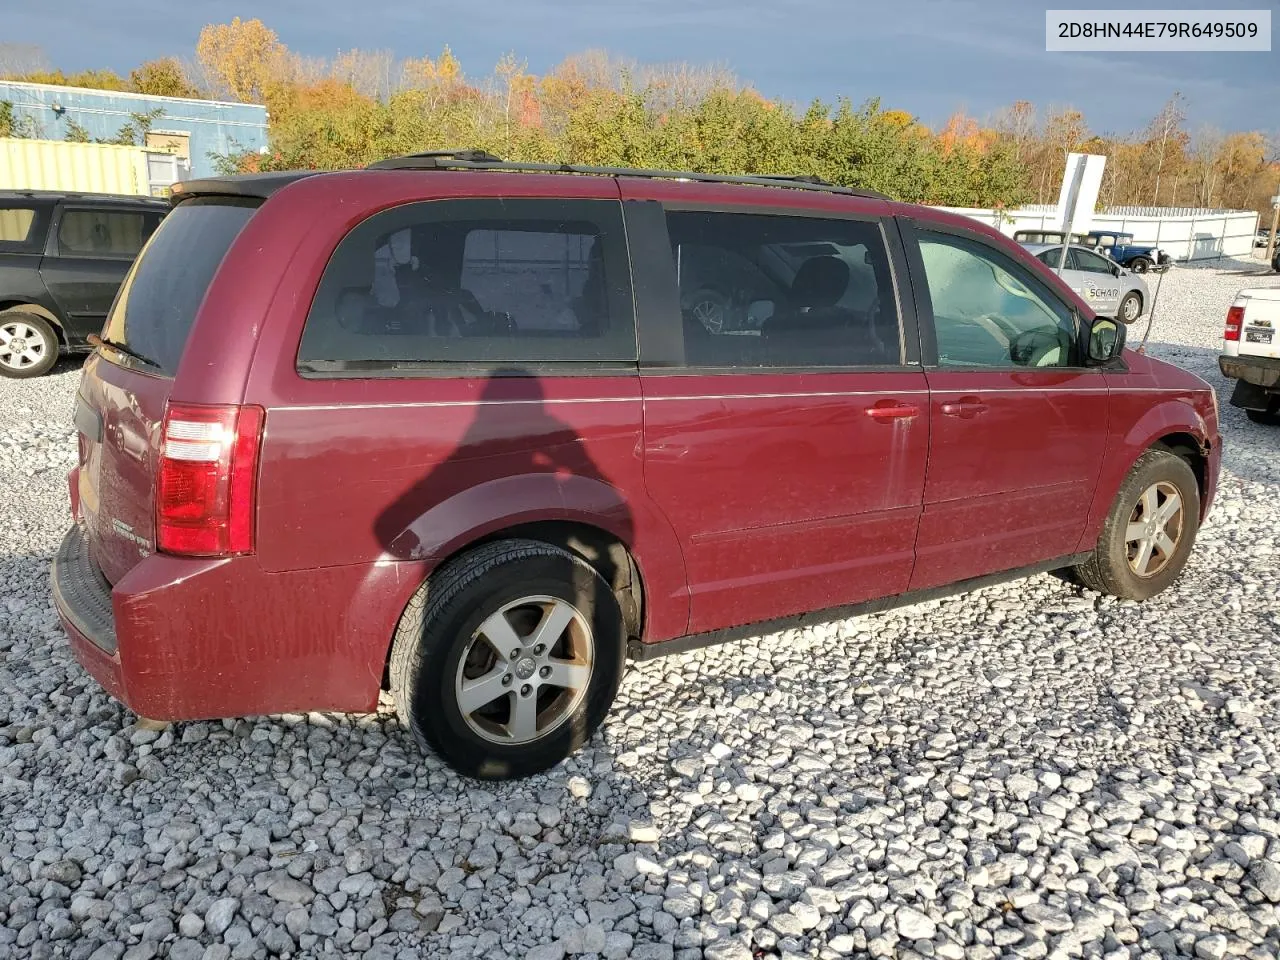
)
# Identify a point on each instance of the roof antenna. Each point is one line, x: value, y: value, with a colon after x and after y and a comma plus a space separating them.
x: 1151, y: 314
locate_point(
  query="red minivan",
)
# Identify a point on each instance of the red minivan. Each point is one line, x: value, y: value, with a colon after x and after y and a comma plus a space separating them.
x: 477, y: 432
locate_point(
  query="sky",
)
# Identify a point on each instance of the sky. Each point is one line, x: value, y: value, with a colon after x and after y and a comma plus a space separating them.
x: 928, y: 57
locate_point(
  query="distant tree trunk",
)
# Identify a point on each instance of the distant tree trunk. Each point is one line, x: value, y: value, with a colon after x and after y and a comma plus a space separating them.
x: 1165, y: 124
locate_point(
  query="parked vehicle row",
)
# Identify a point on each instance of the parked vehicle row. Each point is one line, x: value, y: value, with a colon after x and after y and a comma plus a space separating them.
x: 63, y: 257
x: 1116, y: 245
x: 1111, y: 289
x: 459, y: 423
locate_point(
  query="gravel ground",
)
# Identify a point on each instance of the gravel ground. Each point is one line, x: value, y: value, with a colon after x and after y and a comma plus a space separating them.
x: 1028, y: 771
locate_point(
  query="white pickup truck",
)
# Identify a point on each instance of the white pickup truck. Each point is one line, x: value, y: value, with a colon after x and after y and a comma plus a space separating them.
x: 1251, y: 353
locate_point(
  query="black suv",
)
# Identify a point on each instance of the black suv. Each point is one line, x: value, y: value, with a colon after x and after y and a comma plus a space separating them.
x: 63, y: 256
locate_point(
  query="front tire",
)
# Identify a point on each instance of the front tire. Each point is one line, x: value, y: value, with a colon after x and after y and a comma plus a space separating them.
x: 1130, y: 307
x: 507, y: 660
x: 1148, y: 534
x: 28, y: 345
x: 1139, y: 264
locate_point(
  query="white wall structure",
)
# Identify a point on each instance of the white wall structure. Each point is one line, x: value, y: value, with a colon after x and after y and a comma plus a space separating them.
x: 1185, y: 233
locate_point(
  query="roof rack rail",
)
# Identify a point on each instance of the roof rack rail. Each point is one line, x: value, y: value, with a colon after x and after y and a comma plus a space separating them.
x: 481, y: 160
x: 437, y: 158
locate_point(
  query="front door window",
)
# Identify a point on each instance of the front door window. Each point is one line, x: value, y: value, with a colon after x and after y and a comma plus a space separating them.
x: 986, y: 315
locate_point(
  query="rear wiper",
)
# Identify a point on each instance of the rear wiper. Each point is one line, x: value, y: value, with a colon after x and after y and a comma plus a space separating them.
x: 97, y: 341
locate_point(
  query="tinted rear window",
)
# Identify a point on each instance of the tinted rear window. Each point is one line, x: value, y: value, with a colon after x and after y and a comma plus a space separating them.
x: 103, y: 233
x: 153, y: 314
x: 475, y: 281
x: 15, y: 224
x: 21, y: 227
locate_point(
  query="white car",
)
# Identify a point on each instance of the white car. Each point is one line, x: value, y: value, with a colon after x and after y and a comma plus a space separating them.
x: 1110, y: 288
x: 1251, y: 353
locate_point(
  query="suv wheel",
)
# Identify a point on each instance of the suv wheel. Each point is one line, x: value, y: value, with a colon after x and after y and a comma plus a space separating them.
x: 1139, y: 264
x: 1148, y: 534
x: 1130, y: 307
x: 28, y: 345
x: 507, y: 660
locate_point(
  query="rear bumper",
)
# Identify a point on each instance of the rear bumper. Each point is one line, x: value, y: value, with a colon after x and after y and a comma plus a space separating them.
x: 191, y: 639
x: 82, y: 597
x: 1260, y: 371
x: 81, y: 593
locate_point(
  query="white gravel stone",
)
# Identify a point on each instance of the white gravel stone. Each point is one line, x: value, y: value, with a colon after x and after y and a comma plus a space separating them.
x: 914, y: 925
x: 1213, y: 947
x: 1027, y: 771
x: 220, y: 914
x: 643, y: 831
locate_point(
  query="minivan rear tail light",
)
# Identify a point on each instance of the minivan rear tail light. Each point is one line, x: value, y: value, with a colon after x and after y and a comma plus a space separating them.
x: 206, y: 484
x: 1235, y: 320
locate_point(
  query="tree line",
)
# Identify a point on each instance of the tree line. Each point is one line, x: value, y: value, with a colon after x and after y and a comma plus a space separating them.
x: 594, y: 108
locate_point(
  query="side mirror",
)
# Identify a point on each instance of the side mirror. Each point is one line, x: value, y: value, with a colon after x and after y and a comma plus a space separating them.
x: 1106, y: 341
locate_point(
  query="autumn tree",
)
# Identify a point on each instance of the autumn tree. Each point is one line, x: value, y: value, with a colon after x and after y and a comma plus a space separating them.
x: 1206, y: 171
x: 683, y: 86
x: 1250, y: 171
x: 1164, y: 137
x: 1016, y: 126
x: 371, y: 73
x: 165, y: 77
x: 88, y: 79
x: 1064, y: 130
x: 439, y: 81
x: 960, y: 131
x: 245, y: 58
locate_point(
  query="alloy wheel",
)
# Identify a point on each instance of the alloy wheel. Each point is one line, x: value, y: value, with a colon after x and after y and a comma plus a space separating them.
x: 21, y: 345
x: 525, y: 670
x: 1154, y: 529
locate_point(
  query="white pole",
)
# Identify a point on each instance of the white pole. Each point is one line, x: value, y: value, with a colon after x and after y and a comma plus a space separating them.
x: 1069, y: 212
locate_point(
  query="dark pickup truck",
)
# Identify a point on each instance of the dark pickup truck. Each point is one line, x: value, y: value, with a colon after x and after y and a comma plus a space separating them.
x: 63, y: 256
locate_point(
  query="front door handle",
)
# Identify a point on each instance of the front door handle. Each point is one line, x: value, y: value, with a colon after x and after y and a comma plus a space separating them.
x: 892, y: 410
x: 966, y: 408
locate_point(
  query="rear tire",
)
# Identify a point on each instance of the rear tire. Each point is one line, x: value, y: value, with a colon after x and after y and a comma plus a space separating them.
x: 467, y: 696
x: 28, y: 345
x: 1141, y: 551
